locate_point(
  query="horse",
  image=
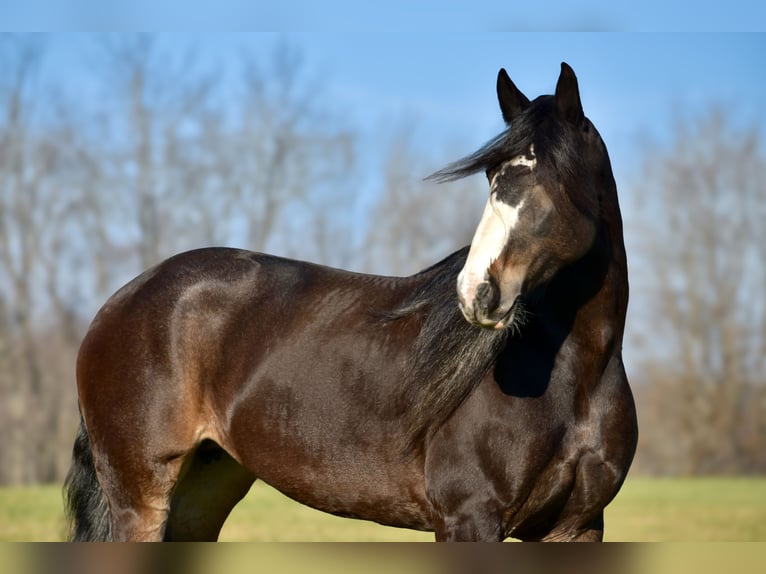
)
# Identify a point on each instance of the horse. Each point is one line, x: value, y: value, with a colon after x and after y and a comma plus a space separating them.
x: 480, y: 399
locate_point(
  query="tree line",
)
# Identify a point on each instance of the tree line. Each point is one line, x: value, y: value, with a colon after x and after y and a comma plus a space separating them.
x: 158, y: 160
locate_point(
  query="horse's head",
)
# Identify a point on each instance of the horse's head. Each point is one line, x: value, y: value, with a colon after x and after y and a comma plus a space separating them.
x: 545, y: 174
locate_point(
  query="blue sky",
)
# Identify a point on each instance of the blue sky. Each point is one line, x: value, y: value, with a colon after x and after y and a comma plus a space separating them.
x: 634, y: 86
x: 392, y: 16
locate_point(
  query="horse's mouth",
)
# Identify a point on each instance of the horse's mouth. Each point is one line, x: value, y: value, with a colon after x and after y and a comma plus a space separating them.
x: 514, y: 317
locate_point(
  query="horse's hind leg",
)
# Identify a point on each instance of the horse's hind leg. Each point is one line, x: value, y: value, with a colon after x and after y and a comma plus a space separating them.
x: 138, y: 493
x: 211, y: 484
x: 138, y: 469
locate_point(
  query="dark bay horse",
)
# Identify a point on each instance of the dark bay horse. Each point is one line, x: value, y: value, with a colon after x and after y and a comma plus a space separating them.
x: 482, y: 398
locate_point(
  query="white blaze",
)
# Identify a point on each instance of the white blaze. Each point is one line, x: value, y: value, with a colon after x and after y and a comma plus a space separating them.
x: 491, y: 236
x: 492, y: 233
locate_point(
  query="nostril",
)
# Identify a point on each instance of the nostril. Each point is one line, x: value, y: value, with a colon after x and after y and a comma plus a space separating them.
x: 487, y: 296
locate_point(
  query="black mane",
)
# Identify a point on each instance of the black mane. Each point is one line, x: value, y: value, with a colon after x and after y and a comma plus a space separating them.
x: 450, y: 357
x: 538, y: 125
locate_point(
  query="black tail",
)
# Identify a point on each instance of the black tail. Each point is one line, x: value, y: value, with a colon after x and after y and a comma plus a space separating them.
x: 85, y: 505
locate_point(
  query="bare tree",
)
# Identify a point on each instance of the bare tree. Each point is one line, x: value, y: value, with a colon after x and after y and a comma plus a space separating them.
x: 154, y: 158
x: 289, y: 156
x: 416, y: 222
x: 194, y: 173
x: 21, y: 186
x: 703, y: 247
x: 36, y: 210
x: 21, y: 197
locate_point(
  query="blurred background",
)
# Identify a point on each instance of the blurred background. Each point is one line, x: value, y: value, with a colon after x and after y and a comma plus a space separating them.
x: 119, y: 150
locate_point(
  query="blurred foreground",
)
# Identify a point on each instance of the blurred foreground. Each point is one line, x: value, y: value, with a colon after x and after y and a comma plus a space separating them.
x: 372, y: 559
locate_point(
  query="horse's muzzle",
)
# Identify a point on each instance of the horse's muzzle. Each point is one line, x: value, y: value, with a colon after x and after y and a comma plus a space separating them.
x: 484, y: 310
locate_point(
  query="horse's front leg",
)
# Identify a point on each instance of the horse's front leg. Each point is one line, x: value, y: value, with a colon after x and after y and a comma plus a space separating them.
x: 471, y: 522
x: 593, y: 531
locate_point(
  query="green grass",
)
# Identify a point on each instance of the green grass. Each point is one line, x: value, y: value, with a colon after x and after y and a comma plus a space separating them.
x: 33, y: 514
x: 647, y: 509
x: 689, y: 510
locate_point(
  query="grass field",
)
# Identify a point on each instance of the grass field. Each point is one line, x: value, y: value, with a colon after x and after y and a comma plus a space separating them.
x: 647, y: 509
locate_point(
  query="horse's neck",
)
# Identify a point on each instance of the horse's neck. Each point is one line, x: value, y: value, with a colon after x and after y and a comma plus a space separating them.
x: 592, y: 297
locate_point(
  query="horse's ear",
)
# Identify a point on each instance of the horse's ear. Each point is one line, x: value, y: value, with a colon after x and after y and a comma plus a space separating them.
x: 568, y: 95
x: 512, y: 101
